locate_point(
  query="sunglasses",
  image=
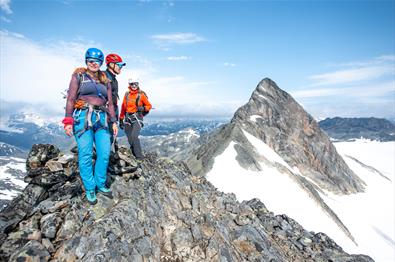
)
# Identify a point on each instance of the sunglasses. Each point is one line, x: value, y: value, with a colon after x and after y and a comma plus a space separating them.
x: 98, y: 62
x: 120, y: 64
x: 134, y: 84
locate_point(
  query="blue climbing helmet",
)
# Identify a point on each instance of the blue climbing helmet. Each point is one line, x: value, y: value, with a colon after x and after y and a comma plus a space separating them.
x: 94, y: 53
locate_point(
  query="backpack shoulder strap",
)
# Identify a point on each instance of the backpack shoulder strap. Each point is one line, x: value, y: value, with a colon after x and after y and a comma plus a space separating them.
x: 79, y: 71
x: 142, y: 92
x: 138, y: 99
x: 127, y: 97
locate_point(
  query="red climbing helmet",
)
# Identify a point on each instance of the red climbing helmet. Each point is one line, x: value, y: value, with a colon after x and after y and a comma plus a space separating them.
x: 114, y: 58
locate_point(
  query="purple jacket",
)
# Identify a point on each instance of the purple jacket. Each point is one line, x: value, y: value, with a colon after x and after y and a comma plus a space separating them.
x: 92, y: 92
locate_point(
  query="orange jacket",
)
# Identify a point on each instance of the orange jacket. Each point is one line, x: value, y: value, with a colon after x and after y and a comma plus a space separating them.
x: 130, y: 107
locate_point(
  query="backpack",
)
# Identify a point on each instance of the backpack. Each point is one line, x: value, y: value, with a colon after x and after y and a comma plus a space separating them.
x: 144, y: 113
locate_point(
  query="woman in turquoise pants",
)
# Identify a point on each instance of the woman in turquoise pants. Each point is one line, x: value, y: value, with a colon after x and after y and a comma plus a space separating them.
x: 89, y: 112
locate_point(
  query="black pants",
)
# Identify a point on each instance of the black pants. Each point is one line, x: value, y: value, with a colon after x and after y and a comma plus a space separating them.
x: 112, y: 137
x: 132, y: 132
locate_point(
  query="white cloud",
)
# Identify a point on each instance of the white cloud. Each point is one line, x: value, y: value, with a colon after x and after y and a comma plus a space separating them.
x: 355, y: 71
x: 229, y: 64
x: 36, y: 73
x: 177, y: 58
x: 353, y: 75
x: 366, y: 90
x: 5, y: 19
x: 33, y: 73
x: 376, y: 61
x: 322, y: 92
x: 178, y: 96
x: 178, y: 38
x: 5, y: 6
x: 357, y: 88
x: 386, y: 58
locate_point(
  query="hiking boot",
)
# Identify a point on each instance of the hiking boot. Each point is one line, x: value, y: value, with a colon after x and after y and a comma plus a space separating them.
x: 91, y: 197
x: 105, y: 191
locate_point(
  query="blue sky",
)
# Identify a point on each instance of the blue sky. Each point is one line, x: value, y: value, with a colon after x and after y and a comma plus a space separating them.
x: 336, y: 58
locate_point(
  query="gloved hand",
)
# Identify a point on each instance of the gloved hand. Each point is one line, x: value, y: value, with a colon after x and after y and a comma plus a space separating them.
x: 141, y: 109
x: 121, y: 124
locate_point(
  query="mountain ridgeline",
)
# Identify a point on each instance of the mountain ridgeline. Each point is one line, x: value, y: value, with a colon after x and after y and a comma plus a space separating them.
x: 354, y: 128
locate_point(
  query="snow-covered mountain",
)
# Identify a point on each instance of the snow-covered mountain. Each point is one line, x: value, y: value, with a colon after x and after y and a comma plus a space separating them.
x: 175, y: 138
x: 355, y: 128
x: 12, y: 172
x: 9, y: 150
x: 17, y: 135
x: 22, y: 130
x: 175, y: 145
x: 155, y: 127
x: 275, y: 151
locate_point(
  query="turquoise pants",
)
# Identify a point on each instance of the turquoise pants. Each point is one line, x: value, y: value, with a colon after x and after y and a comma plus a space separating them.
x: 99, y: 134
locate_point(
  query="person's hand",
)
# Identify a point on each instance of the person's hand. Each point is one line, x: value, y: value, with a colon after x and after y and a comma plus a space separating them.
x: 121, y: 124
x: 141, y: 109
x: 115, y: 129
x: 68, y: 129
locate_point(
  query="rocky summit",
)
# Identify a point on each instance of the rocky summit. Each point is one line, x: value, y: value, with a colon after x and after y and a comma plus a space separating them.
x: 160, y: 212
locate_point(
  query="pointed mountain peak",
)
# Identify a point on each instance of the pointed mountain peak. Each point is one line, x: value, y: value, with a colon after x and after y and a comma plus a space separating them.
x: 267, y: 88
x: 265, y: 85
x: 275, y: 118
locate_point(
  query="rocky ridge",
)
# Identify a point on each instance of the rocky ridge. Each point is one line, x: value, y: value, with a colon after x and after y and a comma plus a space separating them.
x: 339, y: 128
x: 167, y: 214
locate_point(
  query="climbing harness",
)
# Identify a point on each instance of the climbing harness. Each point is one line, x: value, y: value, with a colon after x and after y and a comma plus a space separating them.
x: 132, y: 118
x: 91, y: 110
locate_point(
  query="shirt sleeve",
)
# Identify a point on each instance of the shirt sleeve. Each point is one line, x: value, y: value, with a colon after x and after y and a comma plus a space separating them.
x: 113, y: 119
x: 71, y: 95
x: 146, y: 103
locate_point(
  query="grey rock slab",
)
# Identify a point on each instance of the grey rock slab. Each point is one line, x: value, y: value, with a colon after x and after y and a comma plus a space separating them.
x: 32, y: 251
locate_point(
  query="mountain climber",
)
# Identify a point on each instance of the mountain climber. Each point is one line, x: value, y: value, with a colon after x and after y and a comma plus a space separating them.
x: 135, y: 106
x: 89, y: 104
x: 114, y: 66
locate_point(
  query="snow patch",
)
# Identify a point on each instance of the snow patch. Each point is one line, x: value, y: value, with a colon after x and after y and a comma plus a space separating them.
x: 8, y: 194
x: 262, y: 96
x: 253, y: 118
x: 190, y: 134
x: 5, y: 175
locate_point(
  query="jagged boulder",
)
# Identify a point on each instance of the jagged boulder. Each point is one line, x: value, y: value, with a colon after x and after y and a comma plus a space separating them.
x: 40, y: 154
x: 167, y: 214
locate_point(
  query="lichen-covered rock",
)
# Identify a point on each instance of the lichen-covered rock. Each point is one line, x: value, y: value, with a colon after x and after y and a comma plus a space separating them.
x: 32, y: 251
x: 50, y: 224
x: 40, y: 154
